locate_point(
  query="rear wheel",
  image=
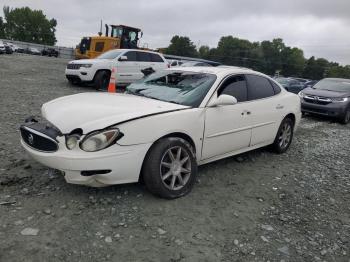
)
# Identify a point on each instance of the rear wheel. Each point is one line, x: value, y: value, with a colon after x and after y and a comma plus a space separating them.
x: 101, y: 80
x: 284, y: 136
x: 170, y: 168
x: 346, y: 117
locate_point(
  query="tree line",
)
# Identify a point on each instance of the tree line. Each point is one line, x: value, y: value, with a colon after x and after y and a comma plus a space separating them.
x: 27, y: 25
x: 269, y: 57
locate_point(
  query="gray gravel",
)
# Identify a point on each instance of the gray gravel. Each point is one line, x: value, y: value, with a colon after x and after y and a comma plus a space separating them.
x: 258, y: 206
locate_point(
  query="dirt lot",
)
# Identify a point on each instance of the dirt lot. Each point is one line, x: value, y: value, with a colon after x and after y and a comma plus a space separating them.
x: 254, y: 207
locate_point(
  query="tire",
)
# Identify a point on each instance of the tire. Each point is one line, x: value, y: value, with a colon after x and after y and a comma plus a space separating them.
x: 101, y: 80
x: 284, y: 136
x: 346, y: 118
x: 166, y: 176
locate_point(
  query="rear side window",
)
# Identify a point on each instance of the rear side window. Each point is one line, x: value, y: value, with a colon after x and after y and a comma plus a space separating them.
x: 259, y: 87
x: 275, y: 87
x: 99, y: 46
x: 131, y: 55
x: 143, y: 57
x: 235, y: 86
x: 156, y: 58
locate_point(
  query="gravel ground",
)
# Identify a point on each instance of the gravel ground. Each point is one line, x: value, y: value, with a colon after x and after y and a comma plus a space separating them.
x: 257, y: 206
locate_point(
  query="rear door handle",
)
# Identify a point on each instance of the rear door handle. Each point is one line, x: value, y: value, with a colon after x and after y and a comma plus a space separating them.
x: 279, y: 106
x: 246, y: 112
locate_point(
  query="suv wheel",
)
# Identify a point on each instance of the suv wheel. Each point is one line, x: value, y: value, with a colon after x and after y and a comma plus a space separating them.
x: 170, y: 168
x: 101, y: 80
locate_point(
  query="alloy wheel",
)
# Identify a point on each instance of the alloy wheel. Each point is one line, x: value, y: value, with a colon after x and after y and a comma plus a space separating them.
x: 175, y: 168
x: 285, y: 135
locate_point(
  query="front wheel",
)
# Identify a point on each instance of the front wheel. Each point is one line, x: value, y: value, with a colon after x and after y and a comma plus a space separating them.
x: 284, y: 136
x: 170, y: 168
x: 101, y: 80
x: 346, y: 117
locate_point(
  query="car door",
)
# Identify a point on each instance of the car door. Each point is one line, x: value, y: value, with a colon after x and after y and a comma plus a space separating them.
x: 227, y: 128
x: 127, y: 71
x: 265, y: 113
x: 144, y: 61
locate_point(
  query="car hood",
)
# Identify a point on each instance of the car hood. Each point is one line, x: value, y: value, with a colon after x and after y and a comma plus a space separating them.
x: 324, y: 93
x: 90, y: 61
x: 93, y: 111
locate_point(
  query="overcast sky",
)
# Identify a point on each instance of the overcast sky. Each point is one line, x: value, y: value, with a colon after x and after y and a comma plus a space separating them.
x: 319, y: 27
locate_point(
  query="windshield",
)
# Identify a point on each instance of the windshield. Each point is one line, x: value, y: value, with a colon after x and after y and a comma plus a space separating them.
x: 337, y: 85
x: 179, y: 87
x: 112, y: 54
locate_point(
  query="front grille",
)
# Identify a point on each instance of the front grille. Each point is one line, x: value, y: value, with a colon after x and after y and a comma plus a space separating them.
x: 73, y: 66
x: 319, y: 100
x: 38, y: 140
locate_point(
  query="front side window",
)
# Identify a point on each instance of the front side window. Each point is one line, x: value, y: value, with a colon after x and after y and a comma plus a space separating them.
x: 131, y: 55
x: 259, y: 87
x: 179, y: 87
x: 235, y: 86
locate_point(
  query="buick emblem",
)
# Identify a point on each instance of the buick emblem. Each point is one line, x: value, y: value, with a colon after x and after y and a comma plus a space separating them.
x: 30, y: 139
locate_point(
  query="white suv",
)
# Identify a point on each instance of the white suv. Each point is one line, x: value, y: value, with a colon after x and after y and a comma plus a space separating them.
x: 128, y: 64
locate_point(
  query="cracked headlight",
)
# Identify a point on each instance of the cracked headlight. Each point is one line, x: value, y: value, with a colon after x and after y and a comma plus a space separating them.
x: 72, y: 141
x: 99, y: 140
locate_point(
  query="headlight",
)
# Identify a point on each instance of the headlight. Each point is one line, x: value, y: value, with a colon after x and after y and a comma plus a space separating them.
x: 72, y: 141
x: 100, y: 139
x: 86, y: 65
x: 340, y: 99
x: 301, y: 94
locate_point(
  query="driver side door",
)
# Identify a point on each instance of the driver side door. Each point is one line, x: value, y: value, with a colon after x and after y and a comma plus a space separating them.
x: 228, y: 128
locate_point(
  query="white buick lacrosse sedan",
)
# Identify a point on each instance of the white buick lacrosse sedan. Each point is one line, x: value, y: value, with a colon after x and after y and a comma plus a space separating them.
x: 162, y: 127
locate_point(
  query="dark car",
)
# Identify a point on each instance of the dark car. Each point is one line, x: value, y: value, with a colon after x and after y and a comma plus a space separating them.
x: 49, y: 52
x: 329, y: 97
x: 291, y: 85
x: 310, y: 83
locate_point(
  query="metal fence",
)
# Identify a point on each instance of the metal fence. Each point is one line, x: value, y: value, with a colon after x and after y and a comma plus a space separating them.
x: 64, y: 52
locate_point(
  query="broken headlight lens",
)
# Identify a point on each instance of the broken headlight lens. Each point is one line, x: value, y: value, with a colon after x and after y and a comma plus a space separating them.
x: 72, y: 141
x: 100, y: 139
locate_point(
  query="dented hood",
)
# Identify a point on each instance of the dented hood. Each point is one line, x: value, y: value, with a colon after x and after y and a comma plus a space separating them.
x: 93, y: 111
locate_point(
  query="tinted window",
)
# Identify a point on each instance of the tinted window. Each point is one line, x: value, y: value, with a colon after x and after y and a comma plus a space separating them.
x: 276, y: 88
x: 156, y: 58
x: 258, y: 87
x: 99, y: 46
x: 143, y: 57
x: 131, y: 56
x: 109, y: 54
x: 235, y: 86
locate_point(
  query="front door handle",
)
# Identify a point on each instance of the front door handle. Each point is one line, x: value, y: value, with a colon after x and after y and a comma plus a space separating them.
x: 246, y: 112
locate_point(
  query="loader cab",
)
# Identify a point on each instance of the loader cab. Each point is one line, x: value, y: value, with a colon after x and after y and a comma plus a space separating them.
x: 129, y: 36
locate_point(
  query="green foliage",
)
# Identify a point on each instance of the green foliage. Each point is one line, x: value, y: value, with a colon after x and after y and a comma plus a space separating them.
x: 182, y: 46
x: 268, y: 57
x: 24, y: 24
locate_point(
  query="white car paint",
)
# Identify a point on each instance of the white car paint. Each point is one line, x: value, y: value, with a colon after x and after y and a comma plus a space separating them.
x: 216, y: 132
x: 126, y: 72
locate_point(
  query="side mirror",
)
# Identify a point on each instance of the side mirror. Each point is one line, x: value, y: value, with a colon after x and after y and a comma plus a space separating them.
x: 223, y: 100
x: 123, y: 58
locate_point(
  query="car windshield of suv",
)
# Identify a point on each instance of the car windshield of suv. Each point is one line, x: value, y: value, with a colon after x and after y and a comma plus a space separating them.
x: 112, y: 54
x: 179, y: 87
x: 336, y: 85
